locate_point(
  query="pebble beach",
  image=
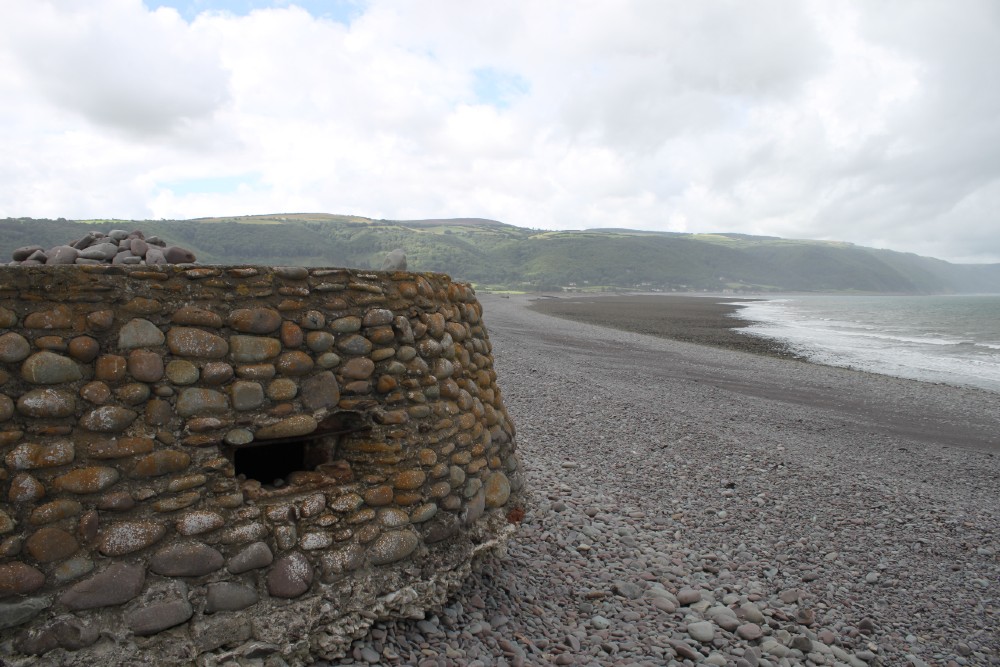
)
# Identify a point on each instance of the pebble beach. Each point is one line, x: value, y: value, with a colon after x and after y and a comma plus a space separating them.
x: 721, y: 504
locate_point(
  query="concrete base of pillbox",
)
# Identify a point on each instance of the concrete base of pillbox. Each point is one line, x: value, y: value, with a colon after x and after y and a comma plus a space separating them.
x: 202, y: 464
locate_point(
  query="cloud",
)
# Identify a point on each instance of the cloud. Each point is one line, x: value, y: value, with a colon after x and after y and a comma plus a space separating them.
x: 871, y: 123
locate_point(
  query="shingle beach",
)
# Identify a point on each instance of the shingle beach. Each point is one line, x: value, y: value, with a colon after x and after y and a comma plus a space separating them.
x: 701, y: 505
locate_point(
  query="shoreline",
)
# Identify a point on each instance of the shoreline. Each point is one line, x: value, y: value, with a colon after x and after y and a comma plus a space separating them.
x: 704, y: 320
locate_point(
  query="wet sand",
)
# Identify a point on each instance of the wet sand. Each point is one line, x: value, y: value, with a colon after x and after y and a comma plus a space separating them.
x: 706, y: 320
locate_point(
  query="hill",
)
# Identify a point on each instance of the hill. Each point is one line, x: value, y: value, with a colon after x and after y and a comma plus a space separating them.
x: 497, y: 255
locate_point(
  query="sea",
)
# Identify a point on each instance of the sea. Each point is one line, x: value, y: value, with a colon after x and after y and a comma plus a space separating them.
x: 943, y: 339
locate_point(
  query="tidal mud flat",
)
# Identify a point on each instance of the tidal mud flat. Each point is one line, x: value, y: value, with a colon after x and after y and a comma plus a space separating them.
x: 700, y: 505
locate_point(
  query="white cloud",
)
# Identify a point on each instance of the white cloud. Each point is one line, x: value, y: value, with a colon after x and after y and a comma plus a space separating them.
x: 869, y: 122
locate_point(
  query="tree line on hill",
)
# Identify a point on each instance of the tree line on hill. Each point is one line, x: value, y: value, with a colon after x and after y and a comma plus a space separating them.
x: 491, y: 254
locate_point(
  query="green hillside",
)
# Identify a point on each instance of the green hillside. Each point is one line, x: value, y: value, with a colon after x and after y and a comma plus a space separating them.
x: 498, y: 255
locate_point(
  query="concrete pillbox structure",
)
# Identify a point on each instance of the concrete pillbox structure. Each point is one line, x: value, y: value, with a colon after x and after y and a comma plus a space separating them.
x: 202, y: 464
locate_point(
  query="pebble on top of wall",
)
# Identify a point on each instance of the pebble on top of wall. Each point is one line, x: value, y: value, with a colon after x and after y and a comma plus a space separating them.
x: 208, y: 465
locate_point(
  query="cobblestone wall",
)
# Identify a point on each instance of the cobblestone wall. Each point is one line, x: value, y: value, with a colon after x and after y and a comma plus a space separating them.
x: 220, y: 463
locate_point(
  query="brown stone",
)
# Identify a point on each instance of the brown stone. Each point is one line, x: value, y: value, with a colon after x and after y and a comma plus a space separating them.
x: 117, y: 584
x: 186, y: 559
x: 8, y: 318
x: 381, y: 335
x: 13, y: 348
x: 117, y: 501
x: 410, y: 480
x: 24, y: 489
x: 216, y: 373
x: 354, y: 345
x: 319, y: 341
x: 19, y: 579
x: 110, y: 367
x: 290, y: 576
x: 158, y: 616
x: 162, y: 462
x: 385, y: 384
x: 51, y: 544
x: 188, y: 342
x: 288, y: 428
x: 291, y: 334
x: 30, y: 455
x: 320, y: 391
x: 256, y: 371
x: 252, y: 349
x: 392, y: 546
x: 116, y: 448
x: 294, y: 363
x: 95, y: 392
x: 255, y: 320
x: 124, y: 537
x: 378, y: 496
x: 60, y: 317
x: 57, y: 510
x: 359, y: 368
x: 108, y: 419
x: 6, y: 407
x: 50, y: 368
x: 86, y: 480
x: 84, y: 348
x: 101, y: 320
x: 282, y: 389
x: 145, y: 365
x: 159, y: 412
x: 46, y: 404
x: 143, y: 306
x: 497, y: 489
x: 133, y: 393
x: 203, y: 521
x: 138, y: 333
x: 195, y: 402
x: 194, y: 316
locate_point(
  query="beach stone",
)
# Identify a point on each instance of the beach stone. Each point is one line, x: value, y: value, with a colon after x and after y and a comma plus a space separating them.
x: 345, y: 325
x: 294, y: 363
x: 392, y: 546
x: 22, y: 253
x: 177, y: 255
x: 61, y: 508
x: 86, y: 480
x: 61, y: 254
x: 355, y: 345
x: 50, y: 544
x: 46, y: 404
x: 282, y: 389
x: 702, y: 631
x: 116, y: 584
x: 200, y: 521
x: 50, y: 368
x: 247, y: 395
x: 216, y: 373
x: 254, y: 556
x: 159, y: 616
x: 25, y: 488
x: 19, y: 579
x: 108, y: 419
x: 751, y: 613
x: 320, y: 391
x: 125, y: 537
x: 290, y: 576
x: 252, y: 349
x: 28, y: 456
x: 60, y: 317
x: 194, y: 316
x: 197, y: 402
x: 196, y: 343
x: 288, y: 428
x: 186, y: 559
x: 181, y: 372
x: 110, y: 367
x: 229, y: 596
x: 497, y: 489
x: 99, y: 251
x: 145, y: 365
x: 84, y: 348
x: 255, y: 320
x: 13, y: 347
x: 359, y: 368
x: 22, y: 611
x: 138, y: 247
x: 394, y: 260
x: 161, y: 462
x: 139, y: 332
x: 749, y: 631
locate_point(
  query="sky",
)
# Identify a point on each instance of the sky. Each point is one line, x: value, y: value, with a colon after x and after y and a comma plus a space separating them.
x: 876, y: 123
